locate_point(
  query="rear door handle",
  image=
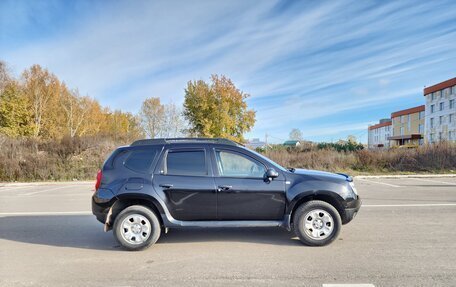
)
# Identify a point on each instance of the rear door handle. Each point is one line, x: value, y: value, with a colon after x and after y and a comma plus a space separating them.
x: 166, y: 185
x: 224, y: 188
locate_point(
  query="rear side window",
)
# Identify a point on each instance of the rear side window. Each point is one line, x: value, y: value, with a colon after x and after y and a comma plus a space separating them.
x: 186, y: 163
x: 141, y: 160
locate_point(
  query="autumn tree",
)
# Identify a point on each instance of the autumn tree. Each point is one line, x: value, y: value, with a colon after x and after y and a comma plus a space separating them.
x: 75, y: 109
x: 174, y: 124
x: 15, y: 117
x: 5, y: 76
x: 296, y: 135
x: 152, y: 115
x: 123, y: 127
x: 217, y: 109
x: 41, y: 88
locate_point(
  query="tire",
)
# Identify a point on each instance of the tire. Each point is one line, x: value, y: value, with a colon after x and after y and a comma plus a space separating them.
x: 316, y: 223
x: 136, y: 228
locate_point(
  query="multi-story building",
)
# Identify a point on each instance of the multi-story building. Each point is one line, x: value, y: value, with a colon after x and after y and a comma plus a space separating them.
x: 378, y: 135
x: 441, y: 111
x: 408, y: 127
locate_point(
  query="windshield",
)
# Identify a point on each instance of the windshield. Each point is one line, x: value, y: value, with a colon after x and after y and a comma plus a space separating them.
x: 268, y: 160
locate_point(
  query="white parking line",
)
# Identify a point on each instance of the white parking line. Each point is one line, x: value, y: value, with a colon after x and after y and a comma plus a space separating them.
x: 436, y: 181
x: 12, y: 188
x: 378, y: 182
x: 45, y: 190
x: 44, y: 213
x: 408, y: 205
x: 348, y: 285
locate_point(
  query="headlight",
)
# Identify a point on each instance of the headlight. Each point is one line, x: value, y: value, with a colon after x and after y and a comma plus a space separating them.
x: 352, y: 185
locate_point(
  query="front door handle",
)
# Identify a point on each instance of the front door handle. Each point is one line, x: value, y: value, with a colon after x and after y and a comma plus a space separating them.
x: 224, y: 188
x: 166, y: 185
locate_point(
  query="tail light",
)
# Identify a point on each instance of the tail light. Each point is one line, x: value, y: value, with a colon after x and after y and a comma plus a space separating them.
x: 98, y: 183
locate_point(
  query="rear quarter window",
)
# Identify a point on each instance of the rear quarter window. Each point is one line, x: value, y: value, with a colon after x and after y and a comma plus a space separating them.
x: 141, y: 160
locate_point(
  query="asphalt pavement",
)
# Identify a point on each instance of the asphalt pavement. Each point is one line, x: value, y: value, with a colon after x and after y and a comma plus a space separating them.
x: 404, y: 235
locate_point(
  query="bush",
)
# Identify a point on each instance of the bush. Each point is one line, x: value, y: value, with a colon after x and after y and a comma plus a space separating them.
x: 38, y: 160
x: 429, y: 158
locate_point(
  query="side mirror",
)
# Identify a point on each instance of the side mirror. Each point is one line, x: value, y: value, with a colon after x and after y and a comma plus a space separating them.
x: 271, y: 174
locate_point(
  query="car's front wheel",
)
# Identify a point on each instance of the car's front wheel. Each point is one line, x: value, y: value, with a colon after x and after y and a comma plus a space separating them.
x: 136, y: 227
x: 316, y: 223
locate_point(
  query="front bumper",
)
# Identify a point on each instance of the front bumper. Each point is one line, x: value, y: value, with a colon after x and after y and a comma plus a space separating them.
x: 352, y: 211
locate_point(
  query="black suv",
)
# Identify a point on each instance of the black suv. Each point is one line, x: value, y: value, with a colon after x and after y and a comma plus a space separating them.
x: 152, y: 185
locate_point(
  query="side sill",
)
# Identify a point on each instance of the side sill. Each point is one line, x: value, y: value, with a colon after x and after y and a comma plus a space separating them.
x: 227, y: 223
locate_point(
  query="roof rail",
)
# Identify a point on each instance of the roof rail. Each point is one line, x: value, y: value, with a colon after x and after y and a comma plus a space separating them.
x: 175, y: 140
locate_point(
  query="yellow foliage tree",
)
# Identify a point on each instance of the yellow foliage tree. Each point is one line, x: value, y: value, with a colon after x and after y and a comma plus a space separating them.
x: 217, y: 109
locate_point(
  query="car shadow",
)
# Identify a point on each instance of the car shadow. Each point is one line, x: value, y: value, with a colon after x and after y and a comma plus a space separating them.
x: 83, y: 231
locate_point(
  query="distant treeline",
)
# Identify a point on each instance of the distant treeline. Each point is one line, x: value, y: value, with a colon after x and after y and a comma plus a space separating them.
x: 39, y: 105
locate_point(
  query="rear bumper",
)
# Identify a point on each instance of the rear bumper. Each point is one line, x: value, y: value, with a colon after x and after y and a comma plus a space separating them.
x: 102, y: 201
x: 100, y: 212
x: 352, y: 211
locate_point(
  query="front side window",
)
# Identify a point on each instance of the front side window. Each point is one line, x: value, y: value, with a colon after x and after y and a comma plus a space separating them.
x: 232, y: 164
x: 189, y: 162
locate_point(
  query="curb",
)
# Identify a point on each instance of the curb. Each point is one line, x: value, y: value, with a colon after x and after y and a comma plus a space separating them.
x: 406, y: 176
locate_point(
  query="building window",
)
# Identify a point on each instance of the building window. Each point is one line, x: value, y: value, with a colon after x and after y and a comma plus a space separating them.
x: 421, y: 141
x: 431, y: 138
x: 441, y: 106
x: 432, y: 122
x: 440, y: 136
x: 450, y: 135
x: 440, y: 120
x: 402, y: 119
x: 421, y: 129
x: 447, y: 91
x: 451, y: 118
x: 454, y: 90
x: 432, y: 108
x: 421, y: 115
x: 432, y: 96
x: 402, y: 131
x: 451, y: 104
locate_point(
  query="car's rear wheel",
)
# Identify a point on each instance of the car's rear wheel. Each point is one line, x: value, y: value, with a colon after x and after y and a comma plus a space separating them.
x: 316, y: 223
x: 136, y: 227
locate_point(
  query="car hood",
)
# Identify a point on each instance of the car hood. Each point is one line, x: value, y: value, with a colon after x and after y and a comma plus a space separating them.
x: 322, y: 174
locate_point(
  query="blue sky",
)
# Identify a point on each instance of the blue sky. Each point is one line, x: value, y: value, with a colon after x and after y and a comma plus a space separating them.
x: 329, y: 68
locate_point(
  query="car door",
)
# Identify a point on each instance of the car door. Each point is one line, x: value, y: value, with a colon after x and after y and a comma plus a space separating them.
x: 184, y: 180
x: 242, y: 191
